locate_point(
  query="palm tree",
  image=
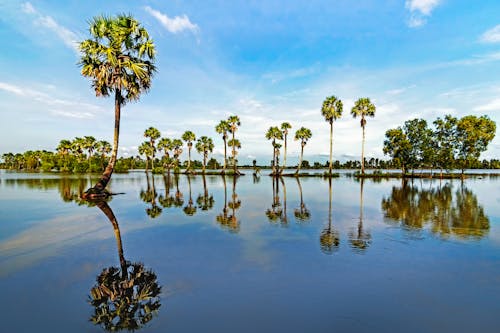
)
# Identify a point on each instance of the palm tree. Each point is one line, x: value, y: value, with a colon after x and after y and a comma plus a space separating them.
x: 204, y: 145
x: 177, y: 150
x: 234, y: 144
x: 332, y: 110
x: 274, y: 133
x: 119, y: 60
x: 90, y: 144
x: 363, y: 108
x: 64, y: 148
x: 284, y: 128
x: 77, y: 147
x: 104, y: 148
x: 303, y: 134
x: 223, y: 128
x: 234, y: 123
x: 153, y: 134
x: 146, y: 150
x: 189, y: 137
x: 165, y: 144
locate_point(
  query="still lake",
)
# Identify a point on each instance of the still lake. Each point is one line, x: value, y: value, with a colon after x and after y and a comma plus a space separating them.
x: 214, y: 254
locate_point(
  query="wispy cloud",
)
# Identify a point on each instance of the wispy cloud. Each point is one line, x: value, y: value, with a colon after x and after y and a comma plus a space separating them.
x: 494, y: 105
x: 56, y: 106
x: 68, y: 37
x: 420, y: 10
x: 174, y: 25
x: 491, y: 36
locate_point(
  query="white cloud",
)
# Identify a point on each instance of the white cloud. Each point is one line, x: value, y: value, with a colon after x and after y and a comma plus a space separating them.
x: 173, y: 25
x: 69, y: 38
x: 491, y: 36
x: 419, y: 11
x: 494, y: 105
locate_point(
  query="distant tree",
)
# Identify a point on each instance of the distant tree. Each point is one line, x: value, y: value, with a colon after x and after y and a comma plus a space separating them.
x: 303, y: 134
x: 189, y: 137
x: 204, y: 146
x: 146, y: 150
x: 285, y: 126
x: 418, y: 135
x: 397, y: 146
x: 234, y: 123
x: 274, y: 133
x: 363, y: 108
x: 152, y: 134
x: 331, y: 110
x: 223, y: 128
x: 444, y: 136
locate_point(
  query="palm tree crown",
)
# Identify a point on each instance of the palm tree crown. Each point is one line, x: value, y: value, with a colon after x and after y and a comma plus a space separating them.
x: 331, y: 110
x: 363, y: 108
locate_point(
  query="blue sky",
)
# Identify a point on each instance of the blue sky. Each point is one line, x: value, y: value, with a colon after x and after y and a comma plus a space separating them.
x: 266, y: 61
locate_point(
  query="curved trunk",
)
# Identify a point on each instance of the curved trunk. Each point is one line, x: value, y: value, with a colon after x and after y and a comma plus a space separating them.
x: 300, y: 161
x: 106, y: 176
x: 104, y: 207
x: 331, y: 147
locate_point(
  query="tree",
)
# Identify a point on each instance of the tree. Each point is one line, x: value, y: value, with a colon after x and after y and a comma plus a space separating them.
x: 397, y: 146
x: 165, y: 144
x: 331, y: 110
x: 363, y: 108
x: 234, y: 144
x: 90, y: 144
x: 418, y: 135
x: 152, y: 134
x: 204, y: 146
x: 473, y: 135
x: 64, y: 148
x: 284, y: 128
x: 177, y: 150
x: 146, y: 150
x: 444, y: 136
x: 189, y: 137
x: 234, y: 123
x: 303, y: 134
x: 223, y: 128
x: 119, y: 60
x: 274, y: 133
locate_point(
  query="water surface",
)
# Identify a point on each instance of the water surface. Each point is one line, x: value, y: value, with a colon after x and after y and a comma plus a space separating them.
x: 193, y: 254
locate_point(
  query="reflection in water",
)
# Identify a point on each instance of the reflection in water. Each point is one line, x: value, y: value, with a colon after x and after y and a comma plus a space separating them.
x: 205, y: 201
x: 329, y: 238
x: 275, y: 212
x: 125, y: 297
x: 457, y: 214
x: 302, y: 214
x: 149, y: 196
x: 190, y: 208
x: 167, y: 200
x: 358, y: 238
x: 226, y: 220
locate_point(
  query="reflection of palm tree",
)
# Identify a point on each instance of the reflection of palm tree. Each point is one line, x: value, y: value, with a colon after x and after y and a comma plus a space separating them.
x: 227, y: 221
x: 275, y: 212
x: 284, y: 217
x: 166, y: 200
x: 302, y: 213
x: 149, y: 196
x: 125, y: 297
x: 360, y: 239
x: 190, y: 208
x: 205, y: 201
x: 179, y: 200
x: 329, y: 239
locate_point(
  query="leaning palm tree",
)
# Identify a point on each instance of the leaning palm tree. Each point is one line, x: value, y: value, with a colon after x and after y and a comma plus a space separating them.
x: 303, y: 134
x: 284, y: 128
x: 274, y: 133
x: 152, y: 134
x: 119, y: 60
x: 234, y: 123
x: 223, y: 128
x: 331, y: 110
x: 363, y: 108
x: 204, y: 145
x: 189, y: 137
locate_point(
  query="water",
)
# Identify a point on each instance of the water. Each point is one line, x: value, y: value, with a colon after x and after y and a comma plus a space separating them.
x: 250, y: 256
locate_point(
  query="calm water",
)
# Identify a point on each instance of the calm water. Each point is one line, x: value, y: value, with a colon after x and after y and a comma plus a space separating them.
x: 251, y: 255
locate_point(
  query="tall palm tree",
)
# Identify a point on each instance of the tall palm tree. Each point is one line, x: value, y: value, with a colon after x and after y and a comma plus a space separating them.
x: 284, y: 128
x: 331, y: 110
x: 90, y: 144
x: 152, y: 134
x: 177, y: 150
x: 234, y: 144
x: 165, y: 144
x: 77, y: 147
x: 204, y: 145
x: 146, y: 150
x: 189, y: 137
x: 64, y: 148
x: 303, y: 134
x: 223, y: 128
x: 274, y: 133
x: 234, y: 123
x: 363, y: 108
x: 119, y: 60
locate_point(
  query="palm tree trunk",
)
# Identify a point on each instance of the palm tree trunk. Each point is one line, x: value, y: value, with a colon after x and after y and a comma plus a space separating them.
x: 106, y: 176
x: 300, y: 161
x: 363, y: 152
x: 284, y: 157
x: 204, y: 162
x: 331, y: 147
x: 189, y: 158
x: 104, y: 207
x: 273, y: 172
x: 225, y: 154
